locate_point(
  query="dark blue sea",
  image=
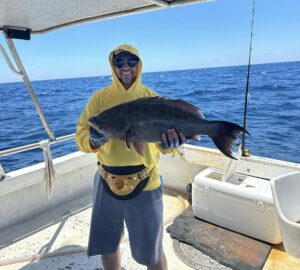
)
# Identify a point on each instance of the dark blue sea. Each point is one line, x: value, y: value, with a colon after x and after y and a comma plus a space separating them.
x: 273, y: 116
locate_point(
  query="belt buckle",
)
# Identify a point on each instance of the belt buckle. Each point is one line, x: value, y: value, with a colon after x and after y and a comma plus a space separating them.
x: 142, y: 175
x: 103, y: 173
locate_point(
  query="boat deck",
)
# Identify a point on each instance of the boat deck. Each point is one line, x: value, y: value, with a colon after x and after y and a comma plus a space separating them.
x: 57, y: 239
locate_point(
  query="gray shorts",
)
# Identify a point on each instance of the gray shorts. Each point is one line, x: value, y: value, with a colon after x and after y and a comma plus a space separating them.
x: 143, y: 215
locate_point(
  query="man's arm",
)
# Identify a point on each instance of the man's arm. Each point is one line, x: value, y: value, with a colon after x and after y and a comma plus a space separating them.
x: 87, y: 139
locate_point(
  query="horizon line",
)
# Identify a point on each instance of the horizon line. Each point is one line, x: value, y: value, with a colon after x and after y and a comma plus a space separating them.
x: 145, y: 72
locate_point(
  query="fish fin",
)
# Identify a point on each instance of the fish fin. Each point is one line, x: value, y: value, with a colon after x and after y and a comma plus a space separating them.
x: 226, y: 136
x: 188, y: 106
x: 176, y: 102
x: 128, y: 139
x: 197, y: 138
x: 139, y: 147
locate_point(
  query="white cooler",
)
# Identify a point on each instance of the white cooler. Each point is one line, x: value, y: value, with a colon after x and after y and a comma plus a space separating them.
x: 241, y: 203
x: 286, y: 193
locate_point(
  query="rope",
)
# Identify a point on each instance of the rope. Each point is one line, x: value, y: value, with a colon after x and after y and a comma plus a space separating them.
x: 45, y: 145
x: 49, y: 168
x: 2, y: 173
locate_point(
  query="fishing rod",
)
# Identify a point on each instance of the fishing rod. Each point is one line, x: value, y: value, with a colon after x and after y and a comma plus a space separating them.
x: 245, y: 152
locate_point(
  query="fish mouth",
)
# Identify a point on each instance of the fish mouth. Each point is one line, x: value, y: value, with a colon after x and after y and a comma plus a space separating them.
x: 94, y: 125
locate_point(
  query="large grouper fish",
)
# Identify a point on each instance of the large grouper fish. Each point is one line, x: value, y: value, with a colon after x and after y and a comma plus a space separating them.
x: 145, y: 119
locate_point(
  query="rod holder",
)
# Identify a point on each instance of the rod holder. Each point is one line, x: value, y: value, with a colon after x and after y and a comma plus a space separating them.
x: 17, y: 32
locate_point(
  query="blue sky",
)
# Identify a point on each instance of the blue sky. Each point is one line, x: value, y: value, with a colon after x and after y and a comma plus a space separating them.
x: 201, y: 35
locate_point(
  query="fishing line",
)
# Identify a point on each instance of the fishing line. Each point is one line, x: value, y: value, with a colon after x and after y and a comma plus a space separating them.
x: 245, y: 152
x: 183, y: 162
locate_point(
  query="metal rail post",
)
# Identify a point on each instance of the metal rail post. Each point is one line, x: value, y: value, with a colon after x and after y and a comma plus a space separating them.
x: 29, y: 86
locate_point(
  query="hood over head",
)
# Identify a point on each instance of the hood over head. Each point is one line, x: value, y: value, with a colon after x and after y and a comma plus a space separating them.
x: 119, y: 53
x: 125, y: 50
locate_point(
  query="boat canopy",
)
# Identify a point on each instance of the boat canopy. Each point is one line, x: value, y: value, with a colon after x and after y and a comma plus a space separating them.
x: 39, y: 16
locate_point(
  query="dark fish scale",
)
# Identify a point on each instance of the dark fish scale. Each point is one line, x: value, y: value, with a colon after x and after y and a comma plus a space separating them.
x: 144, y: 120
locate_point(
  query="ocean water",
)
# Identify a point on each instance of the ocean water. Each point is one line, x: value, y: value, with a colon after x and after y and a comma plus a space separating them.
x: 273, y: 117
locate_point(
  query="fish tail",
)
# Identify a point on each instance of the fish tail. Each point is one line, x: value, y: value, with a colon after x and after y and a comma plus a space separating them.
x: 224, y: 135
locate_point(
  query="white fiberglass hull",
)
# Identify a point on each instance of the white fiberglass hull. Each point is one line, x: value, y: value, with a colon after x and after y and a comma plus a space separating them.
x: 23, y: 192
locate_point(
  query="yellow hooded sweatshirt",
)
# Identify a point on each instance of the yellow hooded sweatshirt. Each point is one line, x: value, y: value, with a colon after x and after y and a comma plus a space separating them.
x: 115, y: 152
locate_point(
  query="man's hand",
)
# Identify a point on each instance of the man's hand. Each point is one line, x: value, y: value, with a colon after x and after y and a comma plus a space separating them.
x: 96, y: 139
x: 171, y: 139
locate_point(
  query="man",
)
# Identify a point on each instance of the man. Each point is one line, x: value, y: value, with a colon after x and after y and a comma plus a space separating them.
x: 141, y: 208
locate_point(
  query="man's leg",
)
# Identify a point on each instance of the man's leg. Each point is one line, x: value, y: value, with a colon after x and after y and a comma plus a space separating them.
x: 106, y: 228
x: 143, y: 215
x: 160, y: 265
x: 113, y: 261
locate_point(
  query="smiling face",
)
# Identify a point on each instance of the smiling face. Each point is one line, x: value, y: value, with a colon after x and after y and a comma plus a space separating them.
x: 126, y: 69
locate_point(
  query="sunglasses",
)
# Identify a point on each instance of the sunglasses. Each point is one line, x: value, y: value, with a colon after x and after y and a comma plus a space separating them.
x: 121, y: 63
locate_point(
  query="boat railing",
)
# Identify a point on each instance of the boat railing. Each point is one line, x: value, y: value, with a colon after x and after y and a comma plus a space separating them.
x: 22, y: 73
x: 28, y: 147
x: 45, y: 144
